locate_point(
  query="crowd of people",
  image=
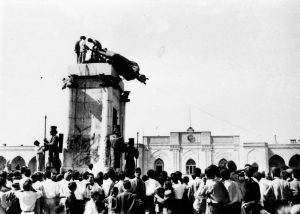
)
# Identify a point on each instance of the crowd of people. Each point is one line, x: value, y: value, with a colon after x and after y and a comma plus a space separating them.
x: 217, y: 190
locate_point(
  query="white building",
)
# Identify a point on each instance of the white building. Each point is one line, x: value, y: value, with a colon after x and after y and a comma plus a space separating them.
x: 184, y: 151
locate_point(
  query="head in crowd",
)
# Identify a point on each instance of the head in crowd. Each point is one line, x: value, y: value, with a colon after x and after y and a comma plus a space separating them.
x: 3, y: 174
x: 91, y: 166
x: 82, y: 38
x: 186, y: 180
x: 2, y: 182
x: 111, y: 174
x: 231, y: 166
x: 128, y: 173
x: 23, y: 169
x: 27, y: 185
x: 225, y: 174
x: 91, y: 179
x: 48, y: 175
x: 179, y: 175
x: 257, y: 175
x: 145, y: 178
x: 127, y: 185
x: 296, y: 174
x: 138, y: 172
x: 72, y: 186
x: 211, y: 171
x: 76, y: 175
x: 197, y: 172
x: 151, y: 173
x: 249, y: 171
x: 114, y: 191
x: 34, y: 178
x: 17, y: 175
x: 255, y: 167
x: 174, y: 178
x: 193, y: 176
x: 275, y: 172
x: 85, y: 175
x: 168, y: 185
x: 59, y: 177
x: 284, y: 175
x: 121, y: 176
x: 53, y: 178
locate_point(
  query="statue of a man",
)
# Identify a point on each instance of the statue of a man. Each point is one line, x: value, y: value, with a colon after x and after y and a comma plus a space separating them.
x: 126, y: 68
x: 115, y: 147
x: 52, y: 147
x: 130, y: 154
x: 40, y: 157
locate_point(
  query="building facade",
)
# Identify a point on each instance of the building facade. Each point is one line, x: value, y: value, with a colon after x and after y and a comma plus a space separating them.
x: 184, y: 151
x: 11, y: 156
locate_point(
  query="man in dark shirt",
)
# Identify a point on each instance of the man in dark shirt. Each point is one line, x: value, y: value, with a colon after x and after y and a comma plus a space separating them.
x: 72, y: 206
x: 251, y: 191
x: 295, y: 186
x: 127, y: 203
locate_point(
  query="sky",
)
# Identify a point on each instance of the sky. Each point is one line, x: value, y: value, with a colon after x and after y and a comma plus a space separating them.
x: 234, y: 65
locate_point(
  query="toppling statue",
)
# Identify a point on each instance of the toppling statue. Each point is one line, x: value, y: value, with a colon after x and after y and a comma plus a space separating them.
x: 123, y: 66
x: 52, y: 147
x: 130, y: 154
x: 114, y: 148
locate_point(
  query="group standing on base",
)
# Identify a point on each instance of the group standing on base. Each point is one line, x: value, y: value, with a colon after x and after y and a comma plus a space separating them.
x: 216, y: 191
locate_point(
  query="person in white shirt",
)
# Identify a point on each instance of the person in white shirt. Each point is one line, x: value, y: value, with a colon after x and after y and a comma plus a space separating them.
x: 119, y: 184
x: 234, y: 192
x: 25, y: 176
x: 151, y: 185
x: 179, y: 190
x: 27, y: 198
x: 90, y: 207
x: 83, y: 49
x: 108, y: 183
x: 64, y: 191
x: 50, y: 194
x: 94, y: 187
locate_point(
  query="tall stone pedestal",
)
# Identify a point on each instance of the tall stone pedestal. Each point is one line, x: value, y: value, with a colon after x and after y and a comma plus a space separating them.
x: 95, y: 106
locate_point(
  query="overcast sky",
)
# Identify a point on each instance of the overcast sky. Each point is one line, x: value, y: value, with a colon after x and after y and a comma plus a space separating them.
x: 234, y: 64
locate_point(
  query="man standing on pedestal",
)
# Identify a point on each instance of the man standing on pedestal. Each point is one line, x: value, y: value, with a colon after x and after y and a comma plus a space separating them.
x: 130, y: 154
x: 115, y: 147
x: 52, y: 146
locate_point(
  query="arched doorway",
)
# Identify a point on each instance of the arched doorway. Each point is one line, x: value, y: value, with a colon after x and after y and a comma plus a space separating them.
x: 222, y: 163
x: 2, y: 163
x: 32, y: 165
x: 295, y: 161
x: 276, y: 161
x: 159, y: 165
x: 190, y: 166
x: 17, y: 161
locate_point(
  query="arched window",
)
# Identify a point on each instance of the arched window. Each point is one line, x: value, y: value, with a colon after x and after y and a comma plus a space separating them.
x: 32, y: 165
x: 276, y: 161
x: 2, y: 163
x: 190, y: 166
x: 222, y: 163
x: 295, y: 161
x: 17, y: 161
x: 159, y: 165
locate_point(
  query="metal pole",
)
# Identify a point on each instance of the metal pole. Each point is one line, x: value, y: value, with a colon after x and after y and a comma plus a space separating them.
x: 45, y: 133
x: 137, y: 147
x: 45, y: 129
